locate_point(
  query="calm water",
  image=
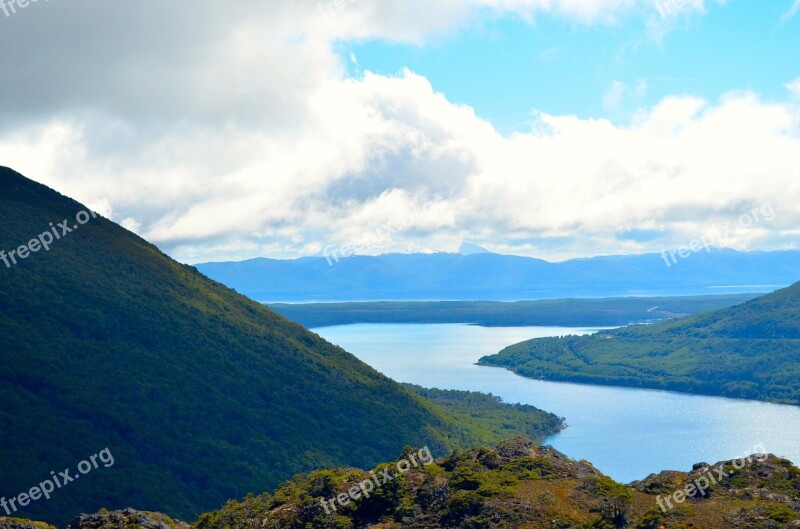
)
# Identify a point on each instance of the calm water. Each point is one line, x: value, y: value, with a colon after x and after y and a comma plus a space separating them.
x: 626, y: 433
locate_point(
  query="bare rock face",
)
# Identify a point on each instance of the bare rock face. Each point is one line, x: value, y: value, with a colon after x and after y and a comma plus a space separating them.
x: 125, y: 519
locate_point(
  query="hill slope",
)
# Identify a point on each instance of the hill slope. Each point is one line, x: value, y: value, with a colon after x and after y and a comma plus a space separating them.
x: 200, y: 394
x: 493, y: 277
x: 749, y: 351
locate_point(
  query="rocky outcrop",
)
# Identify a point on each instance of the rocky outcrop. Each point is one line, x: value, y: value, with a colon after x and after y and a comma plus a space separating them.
x: 125, y: 519
x: 517, y: 484
x: 16, y: 523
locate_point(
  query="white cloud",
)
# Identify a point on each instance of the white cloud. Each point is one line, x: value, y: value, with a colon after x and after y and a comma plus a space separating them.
x: 241, y: 136
x: 239, y: 62
x: 391, y: 150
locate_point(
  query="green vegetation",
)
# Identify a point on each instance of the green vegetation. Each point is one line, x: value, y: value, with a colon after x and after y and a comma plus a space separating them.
x: 748, y: 351
x: 478, y: 488
x: 516, y: 484
x: 489, y: 415
x: 609, y: 312
x: 19, y: 523
x: 200, y: 393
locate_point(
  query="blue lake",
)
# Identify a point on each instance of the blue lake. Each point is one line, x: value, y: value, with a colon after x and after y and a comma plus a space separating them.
x: 625, y: 433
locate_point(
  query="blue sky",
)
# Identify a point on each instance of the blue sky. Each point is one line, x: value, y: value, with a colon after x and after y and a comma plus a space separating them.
x: 506, y: 67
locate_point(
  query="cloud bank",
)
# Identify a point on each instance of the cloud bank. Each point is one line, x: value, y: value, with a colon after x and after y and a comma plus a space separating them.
x: 231, y: 130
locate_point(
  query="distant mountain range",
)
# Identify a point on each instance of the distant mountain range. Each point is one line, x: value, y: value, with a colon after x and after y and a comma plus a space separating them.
x: 749, y: 351
x: 198, y: 393
x: 488, y: 276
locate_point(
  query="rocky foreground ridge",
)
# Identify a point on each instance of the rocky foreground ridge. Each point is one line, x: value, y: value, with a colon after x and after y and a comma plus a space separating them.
x: 517, y: 484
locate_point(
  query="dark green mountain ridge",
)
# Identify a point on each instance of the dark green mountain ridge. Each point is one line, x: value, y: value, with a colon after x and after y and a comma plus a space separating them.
x: 200, y: 393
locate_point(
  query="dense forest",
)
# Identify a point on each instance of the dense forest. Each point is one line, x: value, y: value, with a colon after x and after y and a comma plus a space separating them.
x: 748, y: 351
x: 606, y: 312
x: 199, y: 393
x: 495, y: 419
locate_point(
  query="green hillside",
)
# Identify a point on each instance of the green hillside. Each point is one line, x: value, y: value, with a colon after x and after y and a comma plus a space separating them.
x: 199, y: 393
x: 488, y: 414
x: 748, y: 351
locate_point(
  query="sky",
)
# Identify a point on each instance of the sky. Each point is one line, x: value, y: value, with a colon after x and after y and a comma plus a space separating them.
x: 548, y: 128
